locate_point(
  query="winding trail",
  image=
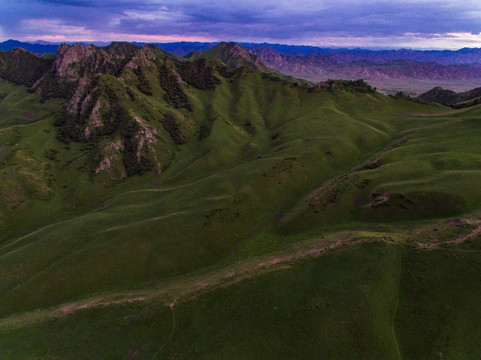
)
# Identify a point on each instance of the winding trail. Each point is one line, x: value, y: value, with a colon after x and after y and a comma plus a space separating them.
x: 189, y: 286
x: 459, y: 240
x: 466, y: 237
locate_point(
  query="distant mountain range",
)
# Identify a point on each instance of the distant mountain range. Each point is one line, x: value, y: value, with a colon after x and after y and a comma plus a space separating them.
x: 444, y: 57
x: 325, y: 66
x: 35, y: 48
x: 380, y: 68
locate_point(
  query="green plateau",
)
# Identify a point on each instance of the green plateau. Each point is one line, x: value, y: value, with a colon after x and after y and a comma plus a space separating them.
x: 157, y: 207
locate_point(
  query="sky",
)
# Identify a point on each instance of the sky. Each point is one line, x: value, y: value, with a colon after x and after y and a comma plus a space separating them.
x: 417, y: 24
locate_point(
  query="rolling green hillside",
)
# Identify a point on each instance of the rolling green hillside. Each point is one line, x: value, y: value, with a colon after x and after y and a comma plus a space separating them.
x: 180, y: 209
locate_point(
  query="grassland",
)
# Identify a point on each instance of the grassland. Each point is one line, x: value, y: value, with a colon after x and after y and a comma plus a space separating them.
x: 301, y: 224
x: 15, y: 104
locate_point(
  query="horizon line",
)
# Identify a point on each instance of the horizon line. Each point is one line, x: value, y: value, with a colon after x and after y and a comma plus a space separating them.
x: 107, y: 42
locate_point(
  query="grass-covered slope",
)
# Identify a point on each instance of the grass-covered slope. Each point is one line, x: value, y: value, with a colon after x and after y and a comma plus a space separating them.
x: 291, y: 222
x: 18, y: 107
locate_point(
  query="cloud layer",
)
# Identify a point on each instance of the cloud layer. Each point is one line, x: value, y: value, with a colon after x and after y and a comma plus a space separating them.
x: 381, y: 23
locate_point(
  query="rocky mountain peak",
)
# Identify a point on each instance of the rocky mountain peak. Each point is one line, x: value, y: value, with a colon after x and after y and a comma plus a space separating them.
x: 95, y: 60
x: 231, y: 54
x: 145, y: 56
x: 121, y: 49
x: 231, y: 51
x: 235, y: 50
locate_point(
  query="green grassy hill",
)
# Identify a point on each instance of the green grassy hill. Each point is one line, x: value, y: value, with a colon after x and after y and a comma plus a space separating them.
x: 285, y: 221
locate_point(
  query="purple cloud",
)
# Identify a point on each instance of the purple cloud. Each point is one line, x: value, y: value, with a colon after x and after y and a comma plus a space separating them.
x: 309, y: 21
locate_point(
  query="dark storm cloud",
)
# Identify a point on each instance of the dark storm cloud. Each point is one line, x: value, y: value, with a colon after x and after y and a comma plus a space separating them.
x: 271, y: 20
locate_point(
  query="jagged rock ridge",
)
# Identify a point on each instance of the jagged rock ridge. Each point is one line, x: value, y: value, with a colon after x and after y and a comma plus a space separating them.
x: 108, y: 100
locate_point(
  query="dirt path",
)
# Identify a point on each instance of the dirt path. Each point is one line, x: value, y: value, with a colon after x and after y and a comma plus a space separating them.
x: 187, y: 287
x: 190, y: 286
x: 466, y: 237
x: 460, y: 239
